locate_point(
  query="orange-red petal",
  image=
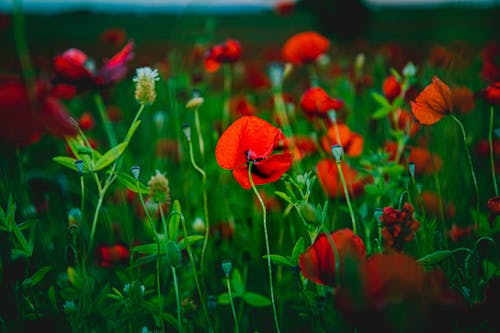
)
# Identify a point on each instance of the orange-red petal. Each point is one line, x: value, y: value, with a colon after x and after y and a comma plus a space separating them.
x: 433, y: 103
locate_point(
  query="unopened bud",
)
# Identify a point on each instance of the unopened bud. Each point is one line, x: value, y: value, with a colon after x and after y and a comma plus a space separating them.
x: 79, y: 166
x: 411, y: 169
x: 378, y: 214
x: 332, y: 115
x: 186, y: 129
x: 227, y: 265
x: 196, y: 101
x: 276, y: 73
x: 337, y: 152
x: 135, y: 170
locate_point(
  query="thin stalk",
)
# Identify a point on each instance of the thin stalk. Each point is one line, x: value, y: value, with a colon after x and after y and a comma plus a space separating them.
x: 157, y: 240
x: 198, y: 132
x: 108, y: 128
x: 205, y: 204
x: 266, y: 236
x: 347, y: 197
x: 82, y: 199
x: 492, y: 161
x: 464, y: 135
x: 233, y: 309
x: 177, y: 300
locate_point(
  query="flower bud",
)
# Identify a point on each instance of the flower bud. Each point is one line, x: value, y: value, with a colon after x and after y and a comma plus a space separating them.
x: 79, y: 166
x: 135, y: 170
x: 337, y: 152
x: 227, y: 265
x: 145, y: 79
x: 159, y: 188
x: 186, y: 129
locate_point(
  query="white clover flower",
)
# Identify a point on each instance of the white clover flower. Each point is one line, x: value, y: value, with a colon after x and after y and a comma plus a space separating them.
x: 145, y: 79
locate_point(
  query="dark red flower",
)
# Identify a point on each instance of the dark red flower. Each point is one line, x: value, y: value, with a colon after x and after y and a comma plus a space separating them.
x: 426, y: 163
x: 491, y: 62
x: 316, y: 102
x: 305, y: 47
x: 399, y: 226
x: 24, y: 122
x: 284, y: 7
x: 391, y: 88
x: 252, y: 140
x: 492, y: 93
x: 457, y: 233
x: 111, y: 255
x: 432, y: 205
x: 433, y: 103
x: 319, y: 262
x: 493, y: 206
x: 463, y: 99
x: 74, y: 67
x: 240, y: 106
x: 114, y: 37
x: 226, y: 53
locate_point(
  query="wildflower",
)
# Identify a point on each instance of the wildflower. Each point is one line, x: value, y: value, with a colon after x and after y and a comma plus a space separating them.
x: 399, y: 226
x: 86, y: 121
x: 74, y: 67
x: 328, y: 176
x: 145, y: 80
x: 318, y: 263
x: 463, y: 99
x: 305, y: 47
x: 425, y: 162
x: 300, y: 146
x: 440, y: 56
x: 110, y: 255
x: 159, y: 189
x: 493, y: 206
x: 226, y: 53
x: 457, y: 233
x: 492, y: 93
x: 391, y: 88
x: 316, y: 102
x: 252, y: 140
x: 22, y: 123
x: 351, y: 142
x: 491, y: 67
x: 241, y: 106
x: 433, y: 103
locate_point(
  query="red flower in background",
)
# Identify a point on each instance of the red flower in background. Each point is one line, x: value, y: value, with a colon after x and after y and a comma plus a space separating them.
x: 431, y: 203
x: 252, y: 140
x: 329, y: 179
x: 405, y: 122
x: 114, y: 37
x: 226, y: 53
x: 316, y: 102
x: 493, y: 206
x: 111, y: 255
x: 433, y: 103
x: 463, y: 99
x: 491, y: 62
x: 86, y: 121
x: 284, y: 7
x: 241, y: 106
x: 74, y: 67
x: 305, y: 47
x: 425, y: 162
x: 351, y: 142
x: 391, y: 88
x: 319, y: 261
x: 457, y: 233
x: 24, y: 123
x: 399, y: 226
x: 492, y: 93
x: 300, y: 146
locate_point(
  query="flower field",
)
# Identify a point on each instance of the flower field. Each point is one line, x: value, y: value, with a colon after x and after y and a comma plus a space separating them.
x: 232, y: 185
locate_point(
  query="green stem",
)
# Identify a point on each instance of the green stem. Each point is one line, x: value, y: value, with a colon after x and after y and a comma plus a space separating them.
x: 82, y: 199
x: 464, y: 135
x: 492, y: 161
x: 177, y: 299
x: 266, y: 236
x: 108, y: 128
x: 198, y: 132
x: 157, y: 240
x: 235, y: 318
x: 347, y: 197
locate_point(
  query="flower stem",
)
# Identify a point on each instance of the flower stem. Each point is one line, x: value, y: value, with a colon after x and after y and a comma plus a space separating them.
x: 177, y: 299
x: 347, y: 197
x: 266, y: 236
x: 198, y: 132
x: 236, y: 329
x: 492, y: 161
x: 82, y: 199
x: 110, y: 133
x: 464, y: 135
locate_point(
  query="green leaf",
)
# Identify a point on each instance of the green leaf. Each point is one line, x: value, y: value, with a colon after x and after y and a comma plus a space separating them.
x: 69, y: 162
x: 237, y: 283
x: 438, y: 256
x: 174, y: 221
x: 52, y: 296
x: 382, y: 112
x: 280, y: 260
x: 110, y: 156
x: 256, y: 300
x: 37, y: 277
x: 74, y: 278
x: 191, y: 240
x: 130, y: 182
x: 375, y: 190
x: 381, y: 100
x: 298, y: 249
x: 132, y: 130
x: 224, y: 299
x: 18, y: 253
x: 284, y: 196
x: 151, y: 248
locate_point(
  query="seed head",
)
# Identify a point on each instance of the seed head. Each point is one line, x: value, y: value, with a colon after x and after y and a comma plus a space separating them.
x: 145, y: 79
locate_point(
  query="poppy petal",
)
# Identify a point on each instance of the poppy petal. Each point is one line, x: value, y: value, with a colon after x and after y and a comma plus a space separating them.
x: 433, y: 103
x: 115, y: 68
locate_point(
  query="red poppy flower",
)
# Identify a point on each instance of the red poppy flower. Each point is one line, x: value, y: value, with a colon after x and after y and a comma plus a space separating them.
x: 463, y: 99
x: 351, y: 142
x: 300, y: 146
x: 86, y: 121
x: 391, y: 88
x: 492, y: 93
x: 405, y: 122
x: 241, y: 106
x: 491, y: 64
x: 111, y: 255
x: 228, y: 52
x: 431, y: 203
x: 319, y: 262
x: 457, y: 233
x: 22, y: 123
x: 305, y: 47
x: 329, y: 179
x: 251, y: 139
x: 74, y: 67
x: 433, y: 103
x: 425, y: 162
x: 316, y: 102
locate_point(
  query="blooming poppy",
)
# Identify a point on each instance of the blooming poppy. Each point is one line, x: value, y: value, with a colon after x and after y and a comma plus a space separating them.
x: 316, y: 102
x: 23, y: 123
x: 433, y: 103
x: 74, y: 67
x: 463, y: 99
x: 399, y: 226
x: 305, y: 47
x: 252, y: 140
x: 391, y: 88
x: 318, y: 263
x: 111, y: 255
x: 329, y: 179
x: 228, y: 52
x: 492, y: 93
x: 351, y: 142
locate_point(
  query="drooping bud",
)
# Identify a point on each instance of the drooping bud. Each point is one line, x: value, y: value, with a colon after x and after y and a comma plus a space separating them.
x: 145, y: 80
x: 74, y: 218
x: 196, y: 101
